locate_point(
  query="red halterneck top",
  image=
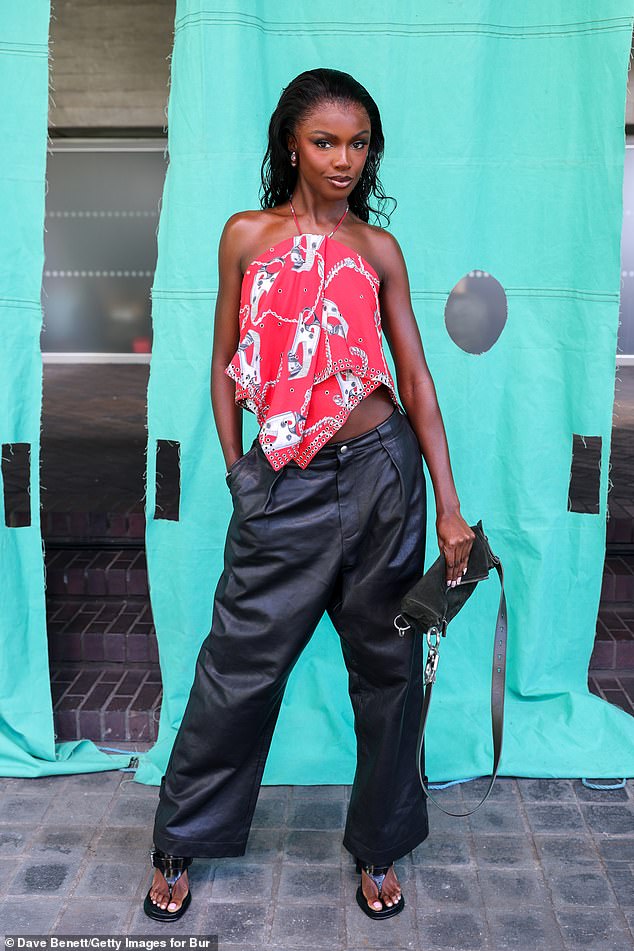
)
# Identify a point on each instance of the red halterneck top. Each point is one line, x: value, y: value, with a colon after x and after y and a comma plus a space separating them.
x: 310, y: 344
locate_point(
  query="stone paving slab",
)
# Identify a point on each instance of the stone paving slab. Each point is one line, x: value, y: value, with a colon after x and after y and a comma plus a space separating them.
x: 544, y: 864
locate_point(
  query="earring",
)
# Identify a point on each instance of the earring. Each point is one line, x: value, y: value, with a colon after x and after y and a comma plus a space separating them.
x: 293, y: 162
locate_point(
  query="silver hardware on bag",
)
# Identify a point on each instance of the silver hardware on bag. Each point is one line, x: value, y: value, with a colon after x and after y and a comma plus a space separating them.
x: 433, y: 655
x: 401, y: 630
x: 431, y: 665
x: 436, y: 633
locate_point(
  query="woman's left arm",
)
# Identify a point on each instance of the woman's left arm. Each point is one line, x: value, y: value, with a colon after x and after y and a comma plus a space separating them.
x: 418, y: 396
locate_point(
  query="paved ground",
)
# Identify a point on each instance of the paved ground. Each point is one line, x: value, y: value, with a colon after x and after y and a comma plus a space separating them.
x: 544, y: 864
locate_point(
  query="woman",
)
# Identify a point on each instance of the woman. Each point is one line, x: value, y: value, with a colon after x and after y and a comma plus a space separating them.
x: 329, y: 501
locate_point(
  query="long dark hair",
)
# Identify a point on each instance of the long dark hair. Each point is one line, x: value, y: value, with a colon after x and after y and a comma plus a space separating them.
x: 301, y: 95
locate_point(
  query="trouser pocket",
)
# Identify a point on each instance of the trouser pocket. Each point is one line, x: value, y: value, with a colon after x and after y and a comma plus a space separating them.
x: 239, y: 463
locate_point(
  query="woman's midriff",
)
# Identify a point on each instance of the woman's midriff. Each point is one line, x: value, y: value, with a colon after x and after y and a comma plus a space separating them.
x: 367, y: 414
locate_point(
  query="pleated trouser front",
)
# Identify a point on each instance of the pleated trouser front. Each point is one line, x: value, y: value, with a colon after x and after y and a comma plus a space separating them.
x: 344, y: 536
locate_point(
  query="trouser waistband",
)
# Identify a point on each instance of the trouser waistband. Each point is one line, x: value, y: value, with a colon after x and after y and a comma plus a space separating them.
x: 332, y: 451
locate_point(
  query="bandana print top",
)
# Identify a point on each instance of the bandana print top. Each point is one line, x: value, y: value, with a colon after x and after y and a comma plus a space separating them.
x: 310, y: 343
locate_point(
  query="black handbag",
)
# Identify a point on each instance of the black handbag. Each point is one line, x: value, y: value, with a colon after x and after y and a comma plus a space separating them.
x: 428, y: 607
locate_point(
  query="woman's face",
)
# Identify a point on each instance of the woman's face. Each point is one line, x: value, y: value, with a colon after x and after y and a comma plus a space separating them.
x: 332, y: 142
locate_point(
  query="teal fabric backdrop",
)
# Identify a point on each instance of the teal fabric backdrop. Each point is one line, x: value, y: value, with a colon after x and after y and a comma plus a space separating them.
x: 27, y: 739
x: 506, y: 155
x: 504, y: 128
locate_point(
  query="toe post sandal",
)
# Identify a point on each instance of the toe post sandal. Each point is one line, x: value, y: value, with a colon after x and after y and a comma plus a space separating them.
x: 172, y: 867
x: 377, y: 873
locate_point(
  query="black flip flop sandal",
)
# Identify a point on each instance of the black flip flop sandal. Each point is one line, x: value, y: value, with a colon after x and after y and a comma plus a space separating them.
x: 172, y: 867
x: 377, y: 873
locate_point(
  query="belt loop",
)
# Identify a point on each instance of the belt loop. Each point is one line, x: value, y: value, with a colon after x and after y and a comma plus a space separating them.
x: 380, y: 434
x: 390, y: 423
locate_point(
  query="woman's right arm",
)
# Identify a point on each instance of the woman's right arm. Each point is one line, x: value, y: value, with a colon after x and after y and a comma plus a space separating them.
x: 227, y: 416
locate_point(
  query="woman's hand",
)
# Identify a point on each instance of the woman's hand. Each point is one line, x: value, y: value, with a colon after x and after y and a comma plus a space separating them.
x: 455, y: 540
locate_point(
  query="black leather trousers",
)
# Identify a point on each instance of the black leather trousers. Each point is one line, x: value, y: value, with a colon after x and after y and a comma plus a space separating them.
x: 346, y: 535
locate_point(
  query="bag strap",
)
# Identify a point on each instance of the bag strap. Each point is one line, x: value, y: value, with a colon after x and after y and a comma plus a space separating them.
x: 497, y: 692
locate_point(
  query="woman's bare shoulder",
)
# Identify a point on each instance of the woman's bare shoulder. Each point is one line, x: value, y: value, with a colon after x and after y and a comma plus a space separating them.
x: 250, y: 220
x: 246, y: 230
x: 384, y: 241
x: 373, y: 236
x: 379, y: 246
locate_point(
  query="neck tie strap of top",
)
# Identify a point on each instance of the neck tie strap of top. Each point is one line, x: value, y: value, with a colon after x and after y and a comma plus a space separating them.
x: 333, y: 230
